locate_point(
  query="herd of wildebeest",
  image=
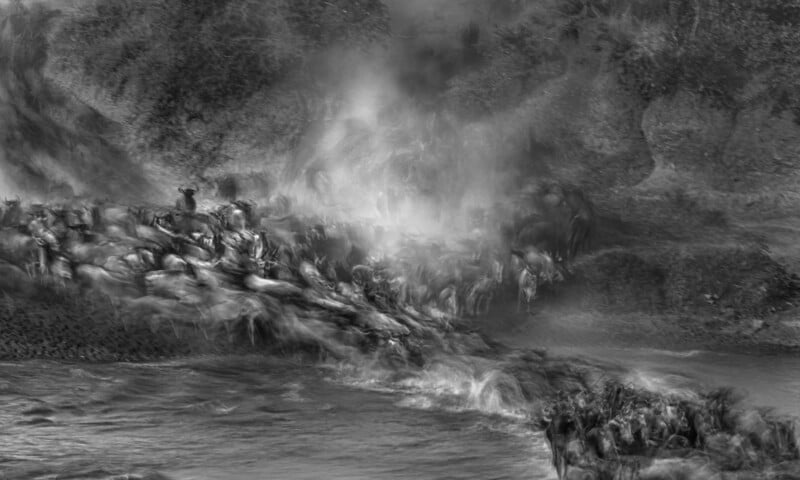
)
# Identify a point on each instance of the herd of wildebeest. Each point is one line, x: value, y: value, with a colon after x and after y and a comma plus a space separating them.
x: 388, y: 280
x: 131, y: 251
x: 618, y: 432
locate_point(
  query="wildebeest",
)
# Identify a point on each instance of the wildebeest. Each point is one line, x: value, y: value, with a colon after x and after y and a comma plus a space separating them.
x: 560, y: 432
x: 244, y: 209
x: 18, y: 248
x: 91, y: 276
x: 237, y: 215
x: 535, y: 268
x: 186, y: 203
x: 559, y: 220
x: 120, y: 220
x: 12, y: 217
x: 49, y: 248
x: 448, y: 300
x: 479, y: 296
x: 480, y: 293
x: 581, y: 223
x: 319, y: 182
x: 12, y: 277
x: 545, y: 236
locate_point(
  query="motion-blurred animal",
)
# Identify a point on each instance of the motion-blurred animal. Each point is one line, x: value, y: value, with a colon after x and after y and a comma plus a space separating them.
x: 18, y: 249
x: 545, y: 236
x: 12, y: 217
x: 536, y: 268
x: 319, y: 182
x: 581, y: 223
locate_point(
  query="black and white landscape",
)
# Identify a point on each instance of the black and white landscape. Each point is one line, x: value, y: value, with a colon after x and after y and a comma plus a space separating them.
x: 400, y: 239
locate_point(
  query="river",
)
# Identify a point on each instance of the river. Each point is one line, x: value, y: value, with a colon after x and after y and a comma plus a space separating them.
x: 245, y: 418
x: 253, y: 417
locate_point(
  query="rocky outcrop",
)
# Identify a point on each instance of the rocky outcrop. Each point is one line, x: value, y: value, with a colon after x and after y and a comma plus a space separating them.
x: 686, y: 136
x: 714, y: 280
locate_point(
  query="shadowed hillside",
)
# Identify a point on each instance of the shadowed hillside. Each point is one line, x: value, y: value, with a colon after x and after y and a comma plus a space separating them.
x: 53, y: 147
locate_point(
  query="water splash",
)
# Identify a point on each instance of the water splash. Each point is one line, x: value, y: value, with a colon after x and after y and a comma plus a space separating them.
x: 453, y: 383
x: 678, y: 386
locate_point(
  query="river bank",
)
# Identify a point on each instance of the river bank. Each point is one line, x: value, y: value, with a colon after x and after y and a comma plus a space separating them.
x: 553, y: 325
x: 68, y: 325
x: 460, y: 366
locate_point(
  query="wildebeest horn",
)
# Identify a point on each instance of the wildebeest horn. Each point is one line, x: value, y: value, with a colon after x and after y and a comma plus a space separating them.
x: 180, y: 189
x: 195, y: 188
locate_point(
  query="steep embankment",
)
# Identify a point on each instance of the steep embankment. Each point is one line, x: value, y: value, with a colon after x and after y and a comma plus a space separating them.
x: 678, y: 119
x: 633, y: 101
x: 52, y: 147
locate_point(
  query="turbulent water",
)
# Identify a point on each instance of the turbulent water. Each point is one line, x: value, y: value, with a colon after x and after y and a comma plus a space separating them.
x: 256, y: 417
x: 251, y: 417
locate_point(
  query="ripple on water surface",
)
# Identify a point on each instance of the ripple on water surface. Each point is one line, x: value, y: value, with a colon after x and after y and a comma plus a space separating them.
x: 251, y: 417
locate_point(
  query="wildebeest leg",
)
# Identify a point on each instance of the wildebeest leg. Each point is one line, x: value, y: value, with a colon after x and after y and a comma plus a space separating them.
x: 480, y: 303
x: 42, y: 261
x: 531, y: 293
x: 487, y: 300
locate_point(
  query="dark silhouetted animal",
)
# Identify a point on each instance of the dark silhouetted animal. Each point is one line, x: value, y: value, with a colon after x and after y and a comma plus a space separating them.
x: 581, y: 223
x: 186, y: 203
x: 13, y: 213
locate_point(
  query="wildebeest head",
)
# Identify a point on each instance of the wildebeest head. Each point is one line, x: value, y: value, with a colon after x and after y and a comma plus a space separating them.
x: 247, y: 207
x: 187, y: 202
x: 14, y: 202
x: 189, y: 191
x: 551, y: 272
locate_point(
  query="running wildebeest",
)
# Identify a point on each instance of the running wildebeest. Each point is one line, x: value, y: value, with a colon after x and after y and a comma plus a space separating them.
x: 581, y: 223
x: 536, y: 268
x: 13, y: 213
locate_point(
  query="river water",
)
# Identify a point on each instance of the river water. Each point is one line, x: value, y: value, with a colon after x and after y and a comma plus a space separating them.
x: 247, y: 418
x: 254, y: 417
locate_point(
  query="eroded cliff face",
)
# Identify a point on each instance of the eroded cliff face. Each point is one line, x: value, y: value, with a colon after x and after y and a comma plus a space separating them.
x: 53, y: 146
x: 564, y: 116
